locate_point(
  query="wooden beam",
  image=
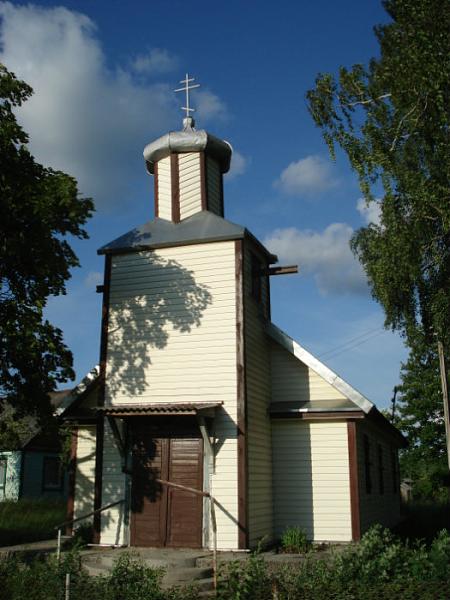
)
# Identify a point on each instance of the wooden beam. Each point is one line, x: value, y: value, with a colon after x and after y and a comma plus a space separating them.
x: 281, y: 270
x: 354, y: 483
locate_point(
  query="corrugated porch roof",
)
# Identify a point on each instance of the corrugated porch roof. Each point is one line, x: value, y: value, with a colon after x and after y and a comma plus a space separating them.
x: 155, y: 409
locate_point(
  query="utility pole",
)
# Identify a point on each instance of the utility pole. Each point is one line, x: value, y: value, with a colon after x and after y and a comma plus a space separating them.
x: 445, y: 397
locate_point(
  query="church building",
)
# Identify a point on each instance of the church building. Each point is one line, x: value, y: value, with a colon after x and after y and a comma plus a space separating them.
x: 198, y: 391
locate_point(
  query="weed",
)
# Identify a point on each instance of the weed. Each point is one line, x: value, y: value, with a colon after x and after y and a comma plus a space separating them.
x: 294, y: 541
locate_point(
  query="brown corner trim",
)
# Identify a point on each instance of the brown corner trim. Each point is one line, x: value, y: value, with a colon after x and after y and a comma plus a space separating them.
x: 155, y: 190
x: 98, y: 478
x: 104, y: 329
x: 241, y: 400
x: 354, y: 484
x: 203, y: 186
x: 175, y: 179
x: 72, y: 475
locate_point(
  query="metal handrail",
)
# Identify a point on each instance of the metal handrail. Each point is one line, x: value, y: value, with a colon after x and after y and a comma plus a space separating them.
x: 86, y: 516
x: 212, y: 502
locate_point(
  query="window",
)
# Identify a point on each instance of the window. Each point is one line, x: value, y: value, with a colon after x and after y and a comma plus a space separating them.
x: 3, y: 463
x: 52, y: 476
x: 367, y: 465
x: 380, y: 470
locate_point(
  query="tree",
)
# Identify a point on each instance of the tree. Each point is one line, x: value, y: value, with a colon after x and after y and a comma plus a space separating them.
x: 392, y: 120
x: 40, y: 208
x: 420, y: 417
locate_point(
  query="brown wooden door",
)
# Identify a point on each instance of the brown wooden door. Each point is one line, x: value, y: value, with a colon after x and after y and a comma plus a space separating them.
x: 163, y: 516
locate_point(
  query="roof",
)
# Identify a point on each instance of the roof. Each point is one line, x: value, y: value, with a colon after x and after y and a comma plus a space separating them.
x: 329, y: 406
x: 167, y: 408
x: 204, y: 226
x: 78, y: 391
x: 189, y: 140
x: 339, y: 406
x: 319, y: 367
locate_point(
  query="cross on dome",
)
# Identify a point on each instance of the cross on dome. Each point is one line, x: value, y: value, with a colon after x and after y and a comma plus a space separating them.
x: 187, y: 87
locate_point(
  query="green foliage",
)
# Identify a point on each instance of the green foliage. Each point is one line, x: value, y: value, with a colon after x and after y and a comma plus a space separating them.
x: 380, y: 567
x: 45, y: 579
x: 40, y: 208
x: 245, y: 580
x: 392, y: 121
x: 29, y: 520
x: 420, y: 417
x: 294, y: 540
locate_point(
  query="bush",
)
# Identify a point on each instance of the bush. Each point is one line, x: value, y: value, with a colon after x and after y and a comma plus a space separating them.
x: 294, y: 541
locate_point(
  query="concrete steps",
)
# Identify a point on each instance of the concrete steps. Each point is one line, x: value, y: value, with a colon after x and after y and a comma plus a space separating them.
x: 181, y: 567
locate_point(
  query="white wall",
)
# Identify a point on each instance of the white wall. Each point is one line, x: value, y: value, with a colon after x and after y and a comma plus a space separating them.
x: 190, y: 184
x: 164, y: 189
x: 311, y: 478
x: 259, y: 445
x: 85, y: 471
x: 172, y: 338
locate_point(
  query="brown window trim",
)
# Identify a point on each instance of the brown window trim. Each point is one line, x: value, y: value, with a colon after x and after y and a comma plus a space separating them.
x: 367, y: 465
x: 380, y: 470
x: 52, y: 487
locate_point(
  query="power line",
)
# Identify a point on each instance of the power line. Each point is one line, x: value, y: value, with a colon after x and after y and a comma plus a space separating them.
x: 350, y: 341
x: 363, y: 341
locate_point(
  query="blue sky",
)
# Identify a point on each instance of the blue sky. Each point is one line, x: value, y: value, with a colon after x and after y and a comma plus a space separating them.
x: 104, y: 74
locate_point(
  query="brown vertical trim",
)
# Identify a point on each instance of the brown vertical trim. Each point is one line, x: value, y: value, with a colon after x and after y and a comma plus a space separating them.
x: 104, y: 330
x: 101, y: 399
x: 155, y: 189
x: 98, y: 477
x: 175, y: 179
x: 222, y: 206
x: 203, y: 182
x: 72, y: 471
x: 354, y: 483
x: 241, y: 399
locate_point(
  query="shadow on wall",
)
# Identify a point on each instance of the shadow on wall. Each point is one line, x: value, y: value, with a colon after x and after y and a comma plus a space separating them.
x: 146, y: 301
x: 293, y: 476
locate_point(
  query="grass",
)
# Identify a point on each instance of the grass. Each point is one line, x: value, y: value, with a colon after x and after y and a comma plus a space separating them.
x: 29, y: 520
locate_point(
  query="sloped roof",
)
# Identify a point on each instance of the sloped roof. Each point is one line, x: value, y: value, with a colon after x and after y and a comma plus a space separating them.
x: 204, y: 226
x: 75, y: 394
x: 316, y: 365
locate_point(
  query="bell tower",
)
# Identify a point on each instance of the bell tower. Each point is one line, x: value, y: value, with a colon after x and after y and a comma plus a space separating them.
x: 188, y: 168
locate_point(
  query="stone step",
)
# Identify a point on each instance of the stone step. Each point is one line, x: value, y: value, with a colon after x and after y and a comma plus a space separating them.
x: 186, y: 575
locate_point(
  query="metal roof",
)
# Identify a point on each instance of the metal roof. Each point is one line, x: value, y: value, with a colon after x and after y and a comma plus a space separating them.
x: 167, y: 408
x: 204, y: 226
x: 189, y: 140
x: 316, y: 406
x: 314, y: 363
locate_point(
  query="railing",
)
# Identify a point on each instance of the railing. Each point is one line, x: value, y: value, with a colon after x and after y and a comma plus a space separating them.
x: 212, y: 501
x: 184, y: 488
x: 86, y: 516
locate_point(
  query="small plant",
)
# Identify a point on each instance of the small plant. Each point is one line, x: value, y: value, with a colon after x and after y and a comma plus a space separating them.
x: 294, y: 541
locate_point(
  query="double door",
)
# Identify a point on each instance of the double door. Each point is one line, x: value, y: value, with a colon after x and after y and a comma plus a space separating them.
x: 162, y: 515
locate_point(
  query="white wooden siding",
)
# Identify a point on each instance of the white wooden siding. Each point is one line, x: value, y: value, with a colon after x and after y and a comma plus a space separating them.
x: 113, y: 528
x: 293, y: 381
x: 259, y: 450
x: 164, y: 189
x: 190, y: 184
x: 311, y: 478
x: 214, y: 186
x: 172, y: 338
x: 85, y: 472
x: 375, y: 507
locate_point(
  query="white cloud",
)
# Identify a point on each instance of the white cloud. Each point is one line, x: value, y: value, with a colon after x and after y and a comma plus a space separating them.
x: 208, y: 106
x: 371, y: 213
x: 239, y: 165
x: 85, y: 118
x: 308, y: 176
x: 93, y: 278
x: 325, y: 255
x: 156, y: 60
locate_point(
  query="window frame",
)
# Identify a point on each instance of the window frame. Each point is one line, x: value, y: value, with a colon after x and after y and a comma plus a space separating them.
x: 367, y: 464
x: 46, y: 487
x: 380, y: 470
x: 3, y: 460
